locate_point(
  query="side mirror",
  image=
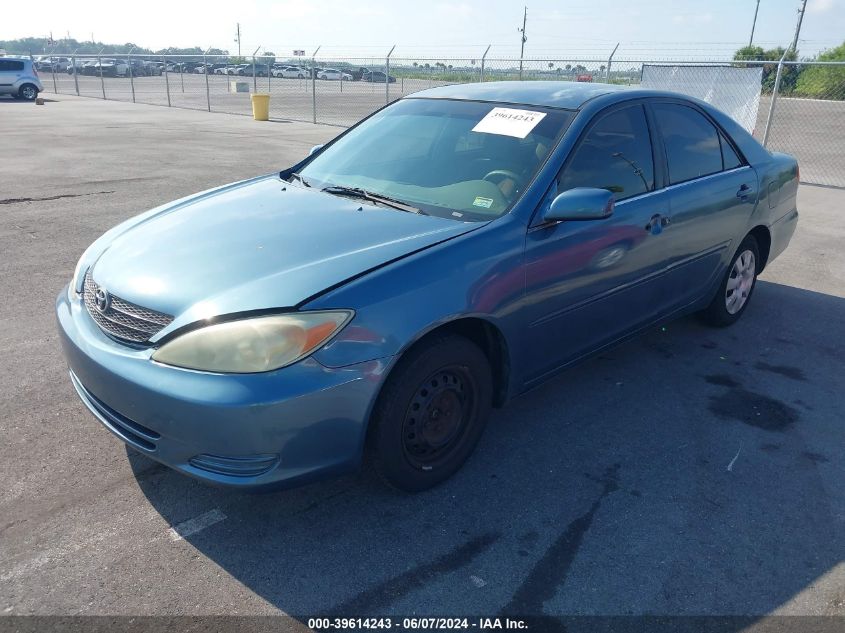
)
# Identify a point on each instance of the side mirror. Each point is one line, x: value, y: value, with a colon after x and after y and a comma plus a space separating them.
x: 315, y: 149
x: 581, y: 203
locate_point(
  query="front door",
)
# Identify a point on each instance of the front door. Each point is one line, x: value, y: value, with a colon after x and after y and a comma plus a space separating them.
x: 589, y: 283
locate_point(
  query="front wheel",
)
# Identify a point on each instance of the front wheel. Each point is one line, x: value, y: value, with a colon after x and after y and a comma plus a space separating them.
x: 737, y: 286
x: 431, y: 413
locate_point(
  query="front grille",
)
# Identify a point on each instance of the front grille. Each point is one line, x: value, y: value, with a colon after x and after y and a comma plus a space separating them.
x: 122, y: 319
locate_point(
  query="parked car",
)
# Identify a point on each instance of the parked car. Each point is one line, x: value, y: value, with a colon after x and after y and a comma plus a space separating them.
x: 508, y: 230
x: 137, y: 67
x: 52, y: 64
x: 107, y: 67
x: 261, y: 70
x: 334, y: 74
x: 358, y: 73
x: 291, y: 72
x: 152, y: 68
x: 75, y: 64
x: 377, y: 76
x: 19, y: 78
x: 220, y: 69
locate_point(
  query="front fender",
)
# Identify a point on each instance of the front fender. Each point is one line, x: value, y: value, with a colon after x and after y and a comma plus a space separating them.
x: 479, y: 274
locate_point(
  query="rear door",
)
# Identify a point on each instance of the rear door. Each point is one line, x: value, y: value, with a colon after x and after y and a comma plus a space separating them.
x: 712, y: 192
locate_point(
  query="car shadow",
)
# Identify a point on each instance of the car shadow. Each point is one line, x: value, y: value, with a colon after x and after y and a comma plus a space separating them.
x: 691, y: 471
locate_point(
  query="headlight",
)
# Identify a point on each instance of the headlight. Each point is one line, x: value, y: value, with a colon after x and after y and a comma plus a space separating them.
x: 253, y: 345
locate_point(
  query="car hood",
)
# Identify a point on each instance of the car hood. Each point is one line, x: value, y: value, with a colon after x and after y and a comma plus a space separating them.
x: 255, y: 245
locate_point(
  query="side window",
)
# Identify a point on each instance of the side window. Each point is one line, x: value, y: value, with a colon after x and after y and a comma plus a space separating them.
x: 729, y: 158
x: 10, y: 65
x: 693, y: 148
x: 614, y: 155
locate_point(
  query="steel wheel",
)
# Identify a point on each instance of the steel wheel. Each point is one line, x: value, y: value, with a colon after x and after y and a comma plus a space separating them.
x: 431, y: 412
x: 740, y: 282
x: 436, y: 419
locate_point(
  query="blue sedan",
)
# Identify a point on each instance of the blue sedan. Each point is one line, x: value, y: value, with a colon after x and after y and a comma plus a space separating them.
x: 446, y: 254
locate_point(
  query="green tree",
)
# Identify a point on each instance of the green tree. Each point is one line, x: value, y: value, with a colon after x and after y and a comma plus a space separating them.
x: 789, y: 75
x: 824, y: 82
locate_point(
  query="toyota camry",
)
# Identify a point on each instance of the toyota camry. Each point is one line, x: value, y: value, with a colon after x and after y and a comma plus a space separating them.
x: 446, y: 254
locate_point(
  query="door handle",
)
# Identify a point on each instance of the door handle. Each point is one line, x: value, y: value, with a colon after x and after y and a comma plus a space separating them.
x: 744, y: 191
x: 657, y: 223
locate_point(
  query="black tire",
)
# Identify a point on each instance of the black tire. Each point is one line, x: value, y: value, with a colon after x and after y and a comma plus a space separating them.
x: 28, y: 92
x: 431, y: 413
x: 718, y: 313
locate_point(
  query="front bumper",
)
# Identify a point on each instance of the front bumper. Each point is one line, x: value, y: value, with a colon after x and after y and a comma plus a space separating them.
x: 241, y: 430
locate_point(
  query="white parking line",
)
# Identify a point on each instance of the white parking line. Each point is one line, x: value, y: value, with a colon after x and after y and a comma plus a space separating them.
x: 197, y: 524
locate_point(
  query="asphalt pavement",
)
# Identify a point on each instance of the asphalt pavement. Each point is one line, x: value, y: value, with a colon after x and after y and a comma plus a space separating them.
x: 692, y: 471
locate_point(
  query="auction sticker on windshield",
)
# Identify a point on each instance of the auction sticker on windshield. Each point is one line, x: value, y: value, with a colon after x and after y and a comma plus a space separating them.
x: 509, y: 122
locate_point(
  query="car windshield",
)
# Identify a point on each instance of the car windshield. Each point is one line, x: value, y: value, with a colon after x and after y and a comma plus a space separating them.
x: 457, y: 159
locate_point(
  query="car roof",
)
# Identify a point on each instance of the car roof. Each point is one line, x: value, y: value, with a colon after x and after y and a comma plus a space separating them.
x: 555, y: 94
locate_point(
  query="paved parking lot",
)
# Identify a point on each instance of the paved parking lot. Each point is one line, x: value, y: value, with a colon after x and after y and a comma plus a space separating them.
x: 690, y: 472
x: 813, y: 130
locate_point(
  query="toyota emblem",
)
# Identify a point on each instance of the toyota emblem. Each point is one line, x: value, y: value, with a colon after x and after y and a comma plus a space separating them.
x: 102, y: 300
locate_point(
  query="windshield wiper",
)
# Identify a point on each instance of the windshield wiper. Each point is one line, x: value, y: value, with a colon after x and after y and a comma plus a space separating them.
x: 357, y: 192
x: 300, y: 179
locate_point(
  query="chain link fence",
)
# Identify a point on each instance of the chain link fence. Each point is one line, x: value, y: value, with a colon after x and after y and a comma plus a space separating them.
x: 795, y: 107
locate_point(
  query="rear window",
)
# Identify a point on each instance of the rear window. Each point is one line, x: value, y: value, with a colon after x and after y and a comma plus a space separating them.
x: 693, y: 146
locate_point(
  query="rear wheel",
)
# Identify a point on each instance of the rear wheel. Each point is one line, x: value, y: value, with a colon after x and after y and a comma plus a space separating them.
x: 737, y: 286
x: 28, y: 92
x: 431, y: 413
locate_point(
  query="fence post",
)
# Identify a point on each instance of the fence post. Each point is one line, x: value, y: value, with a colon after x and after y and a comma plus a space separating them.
x: 387, y: 76
x: 182, y: 75
x: 166, y: 79
x: 75, y: 78
x: 53, y: 71
x: 102, y: 81
x: 131, y: 75
x: 207, y: 92
x: 483, y: 59
x: 314, y: 85
x: 774, y: 98
x: 610, y: 61
x: 269, y: 73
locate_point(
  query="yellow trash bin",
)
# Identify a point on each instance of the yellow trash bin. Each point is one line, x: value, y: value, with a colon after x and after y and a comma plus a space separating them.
x: 261, y: 107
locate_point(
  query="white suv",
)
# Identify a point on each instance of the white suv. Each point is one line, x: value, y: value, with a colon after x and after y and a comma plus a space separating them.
x: 19, y: 78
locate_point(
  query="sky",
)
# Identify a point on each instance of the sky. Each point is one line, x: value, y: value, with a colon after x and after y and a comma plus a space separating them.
x: 665, y: 29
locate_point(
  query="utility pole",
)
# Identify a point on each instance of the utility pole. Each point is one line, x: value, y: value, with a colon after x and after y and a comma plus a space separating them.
x: 753, y: 24
x: 238, y: 38
x: 523, y: 39
x: 798, y: 28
